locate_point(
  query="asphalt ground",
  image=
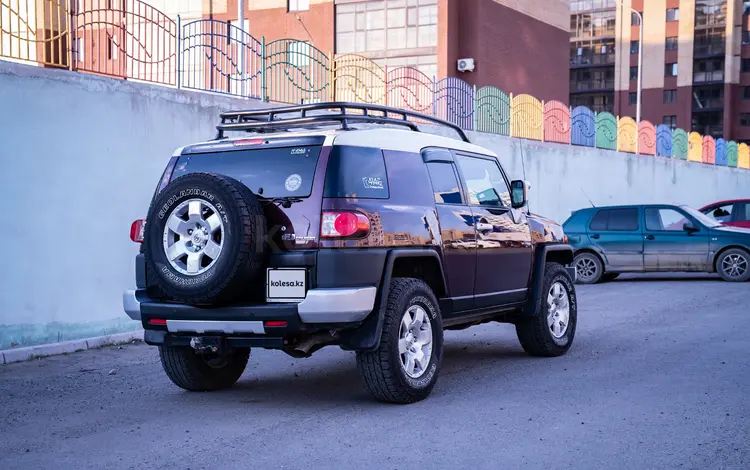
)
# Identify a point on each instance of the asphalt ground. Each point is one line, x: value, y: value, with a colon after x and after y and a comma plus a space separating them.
x: 658, y: 378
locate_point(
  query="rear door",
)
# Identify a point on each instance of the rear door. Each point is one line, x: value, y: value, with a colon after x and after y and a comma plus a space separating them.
x: 617, y: 233
x: 668, y: 247
x: 457, y: 231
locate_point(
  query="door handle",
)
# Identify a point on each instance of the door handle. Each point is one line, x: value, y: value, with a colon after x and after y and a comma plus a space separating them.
x: 483, y: 227
x: 649, y: 237
x: 595, y: 236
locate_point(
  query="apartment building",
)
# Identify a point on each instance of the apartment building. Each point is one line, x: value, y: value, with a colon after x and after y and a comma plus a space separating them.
x: 517, y: 46
x: 696, y: 62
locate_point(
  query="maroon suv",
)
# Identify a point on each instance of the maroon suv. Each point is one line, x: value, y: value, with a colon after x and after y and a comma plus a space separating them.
x: 314, y: 228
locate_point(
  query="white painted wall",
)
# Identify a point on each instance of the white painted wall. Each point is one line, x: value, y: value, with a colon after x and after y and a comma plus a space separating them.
x: 80, y: 157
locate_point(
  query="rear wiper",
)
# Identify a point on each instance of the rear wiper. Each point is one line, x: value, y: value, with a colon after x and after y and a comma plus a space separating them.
x: 285, y: 202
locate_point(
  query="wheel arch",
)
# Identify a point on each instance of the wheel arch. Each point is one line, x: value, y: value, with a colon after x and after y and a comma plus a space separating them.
x: 558, y: 253
x: 723, y: 250
x: 419, y: 263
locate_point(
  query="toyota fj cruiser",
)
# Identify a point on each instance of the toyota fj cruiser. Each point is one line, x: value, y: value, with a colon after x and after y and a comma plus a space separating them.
x: 305, y: 231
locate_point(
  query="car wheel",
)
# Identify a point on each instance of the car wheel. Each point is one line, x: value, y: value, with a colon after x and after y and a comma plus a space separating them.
x: 734, y: 265
x: 202, y: 372
x: 551, y: 330
x: 589, y: 268
x: 606, y: 277
x: 404, y: 368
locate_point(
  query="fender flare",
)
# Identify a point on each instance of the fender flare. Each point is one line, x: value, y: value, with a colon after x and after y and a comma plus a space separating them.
x: 537, y: 276
x: 366, y: 337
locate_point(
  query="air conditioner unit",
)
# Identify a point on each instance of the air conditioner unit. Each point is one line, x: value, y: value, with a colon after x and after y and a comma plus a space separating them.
x: 465, y: 65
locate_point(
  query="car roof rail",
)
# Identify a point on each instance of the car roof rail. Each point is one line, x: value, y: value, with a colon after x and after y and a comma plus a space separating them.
x: 320, y: 114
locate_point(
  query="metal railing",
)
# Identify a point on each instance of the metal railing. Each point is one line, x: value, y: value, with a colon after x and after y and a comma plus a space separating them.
x: 130, y: 39
x: 715, y: 76
x: 592, y: 59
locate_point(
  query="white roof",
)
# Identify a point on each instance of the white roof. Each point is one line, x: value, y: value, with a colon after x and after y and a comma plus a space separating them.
x: 386, y: 138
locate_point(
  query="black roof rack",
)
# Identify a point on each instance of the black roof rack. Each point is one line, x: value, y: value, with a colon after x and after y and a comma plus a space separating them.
x: 274, y: 119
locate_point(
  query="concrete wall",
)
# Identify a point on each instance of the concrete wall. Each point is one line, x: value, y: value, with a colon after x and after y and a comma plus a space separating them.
x: 80, y: 157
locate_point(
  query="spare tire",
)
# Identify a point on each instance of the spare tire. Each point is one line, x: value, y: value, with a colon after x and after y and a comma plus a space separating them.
x: 205, y: 239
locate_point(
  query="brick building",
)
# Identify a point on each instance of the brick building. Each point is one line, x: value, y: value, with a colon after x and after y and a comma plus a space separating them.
x: 696, y: 62
x: 517, y: 46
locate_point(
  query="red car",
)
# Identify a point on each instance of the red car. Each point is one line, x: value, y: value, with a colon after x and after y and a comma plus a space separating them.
x: 733, y: 212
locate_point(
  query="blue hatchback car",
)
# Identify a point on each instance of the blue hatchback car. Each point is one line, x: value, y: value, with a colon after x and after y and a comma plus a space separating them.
x: 654, y: 238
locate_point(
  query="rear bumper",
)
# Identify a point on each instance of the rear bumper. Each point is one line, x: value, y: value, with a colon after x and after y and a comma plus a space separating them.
x: 320, y: 307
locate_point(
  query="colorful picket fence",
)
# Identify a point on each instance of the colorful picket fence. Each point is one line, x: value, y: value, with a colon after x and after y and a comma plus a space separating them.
x: 130, y: 39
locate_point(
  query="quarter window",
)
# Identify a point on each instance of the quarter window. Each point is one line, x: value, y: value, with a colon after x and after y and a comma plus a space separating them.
x: 659, y: 220
x: 356, y: 172
x: 617, y: 220
x: 444, y: 183
x: 485, y: 182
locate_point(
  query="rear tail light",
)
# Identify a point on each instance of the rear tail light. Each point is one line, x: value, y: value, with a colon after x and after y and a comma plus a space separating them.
x: 275, y: 323
x: 137, y: 229
x: 344, y: 224
x: 158, y: 322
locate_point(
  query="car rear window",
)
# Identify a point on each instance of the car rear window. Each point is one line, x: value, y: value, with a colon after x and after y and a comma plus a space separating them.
x: 616, y: 220
x: 272, y: 172
x: 356, y: 172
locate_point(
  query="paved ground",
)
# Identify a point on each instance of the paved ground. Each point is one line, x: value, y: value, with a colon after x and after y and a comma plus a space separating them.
x: 659, y: 377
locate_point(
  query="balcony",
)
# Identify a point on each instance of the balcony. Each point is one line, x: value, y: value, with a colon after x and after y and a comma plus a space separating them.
x: 709, y: 50
x: 592, y: 85
x: 706, y: 77
x: 592, y: 60
x: 708, y: 104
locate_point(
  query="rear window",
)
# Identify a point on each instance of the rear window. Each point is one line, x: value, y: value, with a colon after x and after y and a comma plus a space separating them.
x: 616, y: 220
x: 272, y: 172
x: 356, y: 172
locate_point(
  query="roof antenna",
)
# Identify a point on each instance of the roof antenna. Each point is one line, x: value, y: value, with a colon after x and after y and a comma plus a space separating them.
x: 587, y: 197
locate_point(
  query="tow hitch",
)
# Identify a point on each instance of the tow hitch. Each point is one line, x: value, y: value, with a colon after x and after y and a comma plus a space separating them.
x: 206, y: 344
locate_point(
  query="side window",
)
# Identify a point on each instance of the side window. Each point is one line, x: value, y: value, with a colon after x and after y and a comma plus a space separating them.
x: 356, y: 172
x: 444, y: 183
x: 485, y: 182
x: 599, y: 222
x: 617, y: 220
x: 664, y: 220
x: 721, y: 214
x: 744, y: 215
x: 625, y: 220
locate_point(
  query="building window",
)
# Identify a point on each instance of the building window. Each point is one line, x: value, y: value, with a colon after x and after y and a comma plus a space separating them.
x: 745, y: 67
x: 634, y: 19
x: 745, y: 38
x: 671, y: 43
x: 112, y: 48
x: 380, y: 26
x: 634, y: 47
x: 634, y: 73
x: 632, y: 98
x: 746, y: 92
x: 670, y: 70
x: 298, y: 5
x: 745, y: 119
x: 80, y: 53
x: 670, y: 96
x: 708, y: 70
x: 299, y: 54
x: 673, y: 14
x: 670, y: 121
x: 710, y: 12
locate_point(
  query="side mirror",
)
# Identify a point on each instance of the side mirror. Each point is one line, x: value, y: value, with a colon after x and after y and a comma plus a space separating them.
x: 517, y: 194
x: 689, y: 227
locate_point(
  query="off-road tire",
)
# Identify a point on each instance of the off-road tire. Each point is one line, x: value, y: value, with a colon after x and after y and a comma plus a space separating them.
x: 608, y: 277
x: 381, y: 369
x: 534, y: 332
x: 191, y: 371
x: 597, y: 264
x: 743, y: 255
x: 240, y: 262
